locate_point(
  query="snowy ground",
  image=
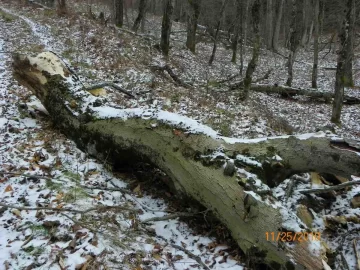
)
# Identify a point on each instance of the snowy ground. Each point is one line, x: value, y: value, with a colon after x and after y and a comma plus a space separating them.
x: 30, y: 145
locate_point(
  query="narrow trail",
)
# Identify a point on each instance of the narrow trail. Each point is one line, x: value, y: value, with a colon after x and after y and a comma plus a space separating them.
x: 41, y: 32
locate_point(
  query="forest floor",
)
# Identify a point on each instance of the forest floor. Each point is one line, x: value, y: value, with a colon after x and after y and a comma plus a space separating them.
x: 39, y: 167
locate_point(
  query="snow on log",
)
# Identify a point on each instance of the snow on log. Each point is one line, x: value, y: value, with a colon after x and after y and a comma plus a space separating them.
x: 229, y: 176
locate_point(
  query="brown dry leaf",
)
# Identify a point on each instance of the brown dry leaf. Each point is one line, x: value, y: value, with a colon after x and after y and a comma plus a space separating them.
x: 98, y: 92
x: 212, y: 245
x: 316, y: 179
x: 3, y: 180
x: 80, y: 235
x: 76, y: 227
x: 8, y: 188
x: 177, y: 257
x: 16, y: 212
x: 58, y: 162
x: 94, y: 241
x: 177, y: 132
x: 60, y: 206
x: 61, y: 263
x: 72, y: 243
x: 156, y: 256
x: 183, y: 244
x: 137, y: 190
x: 59, y: 196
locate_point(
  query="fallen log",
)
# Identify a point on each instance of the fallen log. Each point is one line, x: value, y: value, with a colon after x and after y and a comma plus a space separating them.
x: 292, y: 91
x: 226, y: 175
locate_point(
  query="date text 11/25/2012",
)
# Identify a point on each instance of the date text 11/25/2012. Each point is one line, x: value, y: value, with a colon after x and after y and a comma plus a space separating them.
x: 292, y: 236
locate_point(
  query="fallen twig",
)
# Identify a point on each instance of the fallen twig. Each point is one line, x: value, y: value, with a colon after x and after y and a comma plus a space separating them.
x: 168, y: 69
x: 123, y: 190
x: 192, y: 256
x: 27, y: 175
x: 324, y: 190
x: 110, y: 84
x: 172, y: 216
x: 98, y: 208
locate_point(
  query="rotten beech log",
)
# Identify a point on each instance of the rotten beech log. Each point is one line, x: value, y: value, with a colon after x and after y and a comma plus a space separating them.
x: 184, y: 150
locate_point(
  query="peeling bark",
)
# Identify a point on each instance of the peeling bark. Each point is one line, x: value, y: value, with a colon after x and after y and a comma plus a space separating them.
x: 123, y: 137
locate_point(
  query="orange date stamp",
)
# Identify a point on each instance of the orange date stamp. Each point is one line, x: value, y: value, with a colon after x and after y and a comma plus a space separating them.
x: 293, y: 236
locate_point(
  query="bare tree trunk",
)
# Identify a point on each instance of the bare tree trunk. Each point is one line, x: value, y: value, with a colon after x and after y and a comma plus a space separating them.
x: 316, y: 44
x: 141, y: 15
x: 245, y: 21
x: 193, y: 17
x: 236, y: 30
x: 349, y: 80
x: 166, y: 27
x: 212, y: 57
x: 255, y: 13
x: 295, y: 36
x: 119, y: 13
x: 269, y: 24
x: 62, y: 10
x: 275, y: 40
x: 344, y: 57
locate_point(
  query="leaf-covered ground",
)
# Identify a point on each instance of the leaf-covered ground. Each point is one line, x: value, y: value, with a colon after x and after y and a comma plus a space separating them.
x: 31, y: 145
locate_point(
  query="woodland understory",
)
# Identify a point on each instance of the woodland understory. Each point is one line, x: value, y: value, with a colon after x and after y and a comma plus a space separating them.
x: 129, y: 218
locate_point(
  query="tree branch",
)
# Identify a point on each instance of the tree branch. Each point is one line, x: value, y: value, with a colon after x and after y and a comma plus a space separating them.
x: 325, y: 190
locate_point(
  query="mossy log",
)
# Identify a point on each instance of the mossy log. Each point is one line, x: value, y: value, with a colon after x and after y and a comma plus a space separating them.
x: 194, y: 158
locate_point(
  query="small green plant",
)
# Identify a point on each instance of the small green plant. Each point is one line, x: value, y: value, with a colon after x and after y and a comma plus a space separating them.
x: 74, y: 194
x: 72, y: 176
x: 53, y: 185
x: 175, y: 98
x: 6, y: 16
x: 38, y: 230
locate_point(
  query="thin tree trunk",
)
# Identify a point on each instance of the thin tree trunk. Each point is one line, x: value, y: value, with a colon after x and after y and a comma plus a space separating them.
x: 212, y: 57
x: 62, y: 9
x: 255, y: 13
x: 237, y: 30
x: 316, y: 44
x: 349, y: 80
x: 269, y: 24
x: 245, y: 21
x: 193, y: 17
x: 344, y: 57
x: 119, y: 13
x: 295, y: 36
x: 141, y: 15
x: 166, y: 27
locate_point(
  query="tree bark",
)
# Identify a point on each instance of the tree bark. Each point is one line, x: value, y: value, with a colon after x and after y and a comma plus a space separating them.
x: 255, y: 12
x: 269, y: 24
x: 215, y: 38
x: 275, y: 40
x: 141, y: 15
x: 237, y: 30
x: 296, y: 29
x: 344, y: 59
x: 349, y: 80
x: 119, y: 13
x: 193, y: 17
x: 62, y: 9
x: 316, y: 44
x: 187, y: 155
x: 166, y: 27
